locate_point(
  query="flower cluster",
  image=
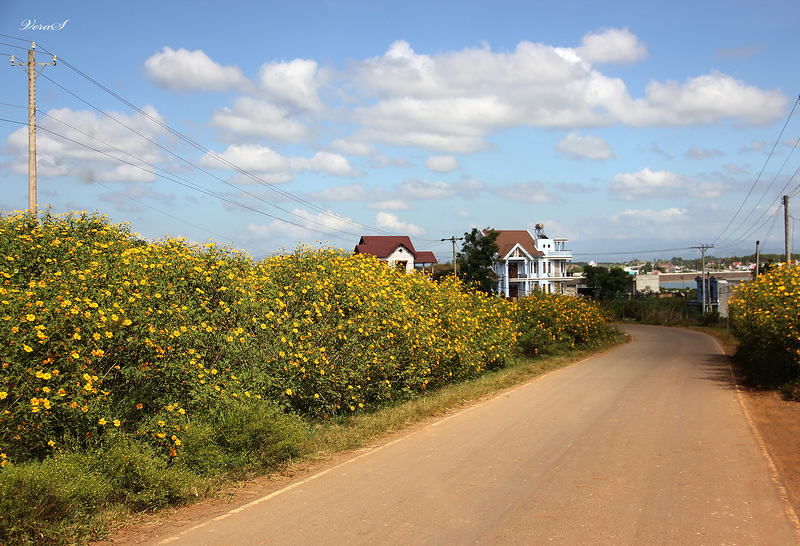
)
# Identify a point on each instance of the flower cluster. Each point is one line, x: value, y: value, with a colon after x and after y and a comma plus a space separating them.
x: 763, y: 315
x: 550, y: 323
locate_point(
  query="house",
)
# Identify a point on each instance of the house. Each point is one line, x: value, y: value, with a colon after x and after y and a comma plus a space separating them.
x: 529, y: 262
x: 396, y: 250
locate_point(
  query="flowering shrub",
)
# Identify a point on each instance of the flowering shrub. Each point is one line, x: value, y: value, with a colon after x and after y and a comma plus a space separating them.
x: 102, y: 334
x: 551, y: 323
x: 763, y: 315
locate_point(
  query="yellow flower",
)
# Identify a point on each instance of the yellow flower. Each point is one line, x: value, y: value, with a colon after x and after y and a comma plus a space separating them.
x: 289, y: 392
x: 102, y: 421
x: 3, y: 395
x: 116, y: 422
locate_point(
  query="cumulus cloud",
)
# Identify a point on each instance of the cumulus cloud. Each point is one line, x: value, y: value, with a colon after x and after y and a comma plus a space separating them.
x: 94, y: 145
x: 648, y: 184
x: 452, y: 101
x: 612, y: 45
x: 184, y: 70
x: 391, y: 222
x: 442, y: 163
x: 295, y: 82
x: 249, y: 157
x: 326, y: 162
x: 584, y: 147
x: 260, y: 118
x: 261, y: 160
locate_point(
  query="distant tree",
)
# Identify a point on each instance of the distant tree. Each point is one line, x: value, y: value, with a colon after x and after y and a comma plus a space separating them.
x: 476, y: 258
x: 606, y: 284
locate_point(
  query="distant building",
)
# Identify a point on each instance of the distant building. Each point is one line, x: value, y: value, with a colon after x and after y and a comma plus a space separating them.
x: 529, y: 262
x: 396, y: 250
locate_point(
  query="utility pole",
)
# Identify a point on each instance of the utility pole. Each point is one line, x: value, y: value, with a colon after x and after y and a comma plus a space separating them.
x: 787, y: 231
x: 703, y: 289
x: 30, y: 68
x: 453, y: 240
x: 758, y: 258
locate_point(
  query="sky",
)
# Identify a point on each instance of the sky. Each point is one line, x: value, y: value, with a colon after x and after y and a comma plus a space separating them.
x: 634, y: 129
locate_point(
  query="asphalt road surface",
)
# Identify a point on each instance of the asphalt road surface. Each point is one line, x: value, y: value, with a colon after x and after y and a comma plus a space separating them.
x: 646, y: 444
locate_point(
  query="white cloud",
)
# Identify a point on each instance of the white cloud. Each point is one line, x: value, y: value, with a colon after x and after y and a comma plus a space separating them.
x: 648, y: 184
x: 612, y: 45
x: 260, y: 118
x: 185, y: 70
x: 93, y: 145
x: 391, y: 222
x: 442, y: 163
x: 249, y: 157
x: 295, y: 82
x: 580, y: 147
x: 326, y: 162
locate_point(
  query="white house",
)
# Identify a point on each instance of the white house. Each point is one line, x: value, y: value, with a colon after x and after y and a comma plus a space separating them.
x: 530, y: 262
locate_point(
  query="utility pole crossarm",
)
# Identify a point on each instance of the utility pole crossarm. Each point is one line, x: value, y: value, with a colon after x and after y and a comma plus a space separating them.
x: 453, y: 240
x: 30, y: 68
x: 703, y: 290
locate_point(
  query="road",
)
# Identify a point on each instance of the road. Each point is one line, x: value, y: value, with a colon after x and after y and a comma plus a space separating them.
x: 645, y: 444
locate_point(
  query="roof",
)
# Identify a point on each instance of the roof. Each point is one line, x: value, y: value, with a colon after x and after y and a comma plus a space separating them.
x: 509, y: 238
x: 382, y: 246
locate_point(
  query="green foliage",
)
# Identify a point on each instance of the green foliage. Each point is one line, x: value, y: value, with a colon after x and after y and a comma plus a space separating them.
x: 551, y: 323
x: 476, y: 258
x: 763, y: 315
x: 667, y: 311
x: 241, y: 435
x: 607, y: 284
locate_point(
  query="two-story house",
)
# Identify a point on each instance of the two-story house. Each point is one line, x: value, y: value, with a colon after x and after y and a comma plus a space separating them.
x: 529, y: 262
x: 396, y: 250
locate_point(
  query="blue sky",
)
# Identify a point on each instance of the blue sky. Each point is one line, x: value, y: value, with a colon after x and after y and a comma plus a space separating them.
x: 634, y: 129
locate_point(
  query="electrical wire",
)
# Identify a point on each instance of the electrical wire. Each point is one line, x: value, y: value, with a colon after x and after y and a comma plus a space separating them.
x: 755, y: 182
x: 206, y: 151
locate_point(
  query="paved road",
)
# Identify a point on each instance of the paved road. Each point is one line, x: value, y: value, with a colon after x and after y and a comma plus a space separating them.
x: 645, y: 444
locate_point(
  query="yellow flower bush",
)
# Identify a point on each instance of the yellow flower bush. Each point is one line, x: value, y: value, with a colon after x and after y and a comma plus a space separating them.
x: 551, y: 323
x: 764, y: 317
x: 103, y: 335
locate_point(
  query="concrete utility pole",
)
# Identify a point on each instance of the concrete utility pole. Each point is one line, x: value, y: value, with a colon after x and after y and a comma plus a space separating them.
x: 787, y: 230
x: 453, y: 240
x: 30, y: 68
x: 703, y: 289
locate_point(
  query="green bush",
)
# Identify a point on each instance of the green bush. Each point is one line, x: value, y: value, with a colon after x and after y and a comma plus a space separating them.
x: 51, y: 502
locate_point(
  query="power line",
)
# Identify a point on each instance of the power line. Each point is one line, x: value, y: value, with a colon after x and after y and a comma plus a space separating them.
x: 755, y: 182
x: 208, y: 152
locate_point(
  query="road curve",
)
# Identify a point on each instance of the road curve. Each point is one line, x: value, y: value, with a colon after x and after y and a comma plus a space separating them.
x: 645, y: 444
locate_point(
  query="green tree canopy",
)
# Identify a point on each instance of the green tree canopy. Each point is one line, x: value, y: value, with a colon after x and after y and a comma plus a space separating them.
x: 476, y: 258
x: 607, y: 284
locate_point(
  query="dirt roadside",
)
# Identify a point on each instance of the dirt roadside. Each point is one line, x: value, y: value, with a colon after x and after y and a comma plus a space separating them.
x: 778, y: 424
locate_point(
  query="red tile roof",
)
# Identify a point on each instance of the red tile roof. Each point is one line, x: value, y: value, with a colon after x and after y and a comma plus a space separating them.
x: 382, y: 246
x: 509, y: 238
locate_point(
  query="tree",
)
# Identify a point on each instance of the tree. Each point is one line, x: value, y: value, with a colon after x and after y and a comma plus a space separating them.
x: 476, y: 258
x: 607, y: 284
